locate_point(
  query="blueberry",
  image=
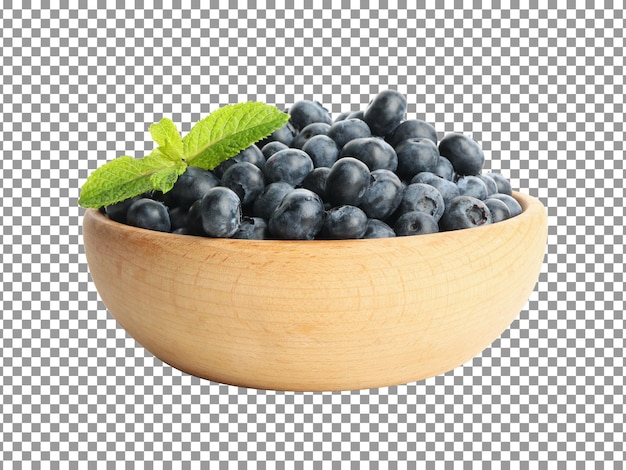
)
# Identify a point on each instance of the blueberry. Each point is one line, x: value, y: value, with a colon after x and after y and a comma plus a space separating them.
x: 490, y: 184
x: 191, y: 186
x: 347, y: 182
x: 448, y: 189
x: 305, y: 112
x: 251, y: 154
x: 472, y: 186
x: 344, y: 131
x: 252, y: 228
x: 344, y: 222
x: 510, y: 201
x: 378, y: 229
x: 299, y: 216
x: 119, y: 210
x: 220, y: 211
x: 444, y: 169
x: 178, y: 217
x: 499, y: 210
x: 412, y: 129
x: 149, y: 214
x: 265, y: 204
x: 342, y: 116
x: 383, y: 196
x: 289, y: 165
x: 465, y: 212
x: 316, y: 128
x: 504, y: 186
x: 424, y: 198
x: 246, y: 180
x: 385, y: 112
x: 271, y: 148
x: 373, y: 151
x: 415, y: 223
x: 415, y: 156
x: 464, y: 153
x: 284, y: 135
x: 316, y: 181
x: 194, y: 219
x: 360, y: 114
x: 322, y: 149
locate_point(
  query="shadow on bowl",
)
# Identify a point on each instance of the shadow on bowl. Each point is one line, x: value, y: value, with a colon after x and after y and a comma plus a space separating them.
x: 317, y: 315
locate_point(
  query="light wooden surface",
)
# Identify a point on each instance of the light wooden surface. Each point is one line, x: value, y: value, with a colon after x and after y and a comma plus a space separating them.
x: 317, y: 315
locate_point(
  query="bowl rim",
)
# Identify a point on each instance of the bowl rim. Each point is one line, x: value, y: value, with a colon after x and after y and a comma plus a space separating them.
x: 531, y: 207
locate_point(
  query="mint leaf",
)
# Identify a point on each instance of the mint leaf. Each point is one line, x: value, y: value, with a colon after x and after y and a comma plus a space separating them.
x: 164, y: 179
x: 127, y: 177
x: 229, y: 130
x: 167, y: 137
x: 214, y: 139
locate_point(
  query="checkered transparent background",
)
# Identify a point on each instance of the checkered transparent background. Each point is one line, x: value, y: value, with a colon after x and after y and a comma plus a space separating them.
x: 540, y: 85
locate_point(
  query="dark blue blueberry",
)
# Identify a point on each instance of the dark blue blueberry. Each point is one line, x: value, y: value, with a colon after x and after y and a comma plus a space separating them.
x: 490, y: 184
x: 251, y: 154
x: 344, y: 131
x: 316, y: 181
x: 347, y: 182
x: 504, y: 186
x: 271, y: 148
x: 360, y: 114
x: 510, y: 201
x: 378, y: 229
x: 373, y: 151
x: 178, y: 217
x: 383, y: 196
x: 465, y: 212
x: 424, y: 198
x: 385, y: 112
x: 464, y: 153
x: 447, y: 188
x: 284, y: 135
x: 149, y: 214
x: 220, y: 211
x: 412, y: 129
x: 415, y: 223
x: 305, y: 112
x: 194, y: 219
x: 316, y: 128
x: 472, y: 186
x: 444, y: 169
x: 342, y: 116
x: 246, y: 180
x: 119, y: 210
x: 252, y: 228
x: 499, y: 210
x: 322, y: 149
x: 290, y: 166
x: 344, y: 222
x: 191, y: 186
x: 265, y: 204
x: 299, y: 216
x: 415, y: 156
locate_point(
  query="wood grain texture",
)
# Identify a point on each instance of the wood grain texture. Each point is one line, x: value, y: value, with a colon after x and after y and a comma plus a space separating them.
x: 317, y: 315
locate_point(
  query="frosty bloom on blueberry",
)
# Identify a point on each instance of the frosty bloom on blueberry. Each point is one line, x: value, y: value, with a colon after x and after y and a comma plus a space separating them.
x: 299, y: 174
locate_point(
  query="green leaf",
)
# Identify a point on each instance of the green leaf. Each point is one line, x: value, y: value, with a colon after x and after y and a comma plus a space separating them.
x: 127, y: 177
x: 214, y: 139
x: 229, y: 130
x: 167, y: 137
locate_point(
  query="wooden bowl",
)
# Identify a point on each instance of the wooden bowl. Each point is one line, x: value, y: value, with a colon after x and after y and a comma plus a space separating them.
x: 317, y: 315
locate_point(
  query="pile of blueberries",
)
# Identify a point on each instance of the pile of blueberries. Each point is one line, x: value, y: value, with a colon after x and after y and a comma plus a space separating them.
x: 367, y: 174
